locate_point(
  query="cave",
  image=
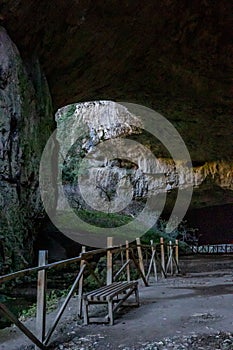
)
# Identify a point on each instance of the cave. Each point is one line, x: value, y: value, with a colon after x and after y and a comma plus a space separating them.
x: 175, y: 58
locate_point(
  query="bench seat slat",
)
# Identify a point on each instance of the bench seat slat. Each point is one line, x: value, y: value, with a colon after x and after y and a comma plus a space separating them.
x: 110, y: 297
x: 100, y: 290
x: 120, y: 290
x: 109, y: 291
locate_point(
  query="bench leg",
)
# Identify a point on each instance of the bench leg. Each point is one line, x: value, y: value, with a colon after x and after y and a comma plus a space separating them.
x: 85, y: 312
x: 110, y: 312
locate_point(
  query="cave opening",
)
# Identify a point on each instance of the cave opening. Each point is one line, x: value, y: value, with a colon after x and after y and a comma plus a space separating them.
x: 104, y: 174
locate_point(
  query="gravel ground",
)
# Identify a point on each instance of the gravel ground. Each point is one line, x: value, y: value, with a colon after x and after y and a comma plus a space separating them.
x: 221, y: 340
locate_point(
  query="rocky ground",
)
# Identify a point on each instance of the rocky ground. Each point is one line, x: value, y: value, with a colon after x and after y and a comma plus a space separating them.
x: 190, y: 311
x: 220, y: 340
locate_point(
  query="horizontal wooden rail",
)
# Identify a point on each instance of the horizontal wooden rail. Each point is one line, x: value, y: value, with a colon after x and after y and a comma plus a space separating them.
x: 56, y: 264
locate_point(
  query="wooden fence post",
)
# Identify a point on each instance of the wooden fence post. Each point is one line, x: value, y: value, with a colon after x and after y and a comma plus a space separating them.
x: 162, y: 257
x: 41, y: 298
x: 127, y: 258
x: 80, y: 287
x: 109, y: 261
x: 140, y: 257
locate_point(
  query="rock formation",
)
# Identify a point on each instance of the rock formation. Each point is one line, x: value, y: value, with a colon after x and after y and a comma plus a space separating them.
x: 84, y: 127
x: 170, y: 56
x: 25, y: 124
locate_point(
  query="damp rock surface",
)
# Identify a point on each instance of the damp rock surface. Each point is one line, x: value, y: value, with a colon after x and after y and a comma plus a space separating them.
x: 25, y: 124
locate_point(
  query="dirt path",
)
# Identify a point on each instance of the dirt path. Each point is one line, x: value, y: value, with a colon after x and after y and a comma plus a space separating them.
x: 190, y: 305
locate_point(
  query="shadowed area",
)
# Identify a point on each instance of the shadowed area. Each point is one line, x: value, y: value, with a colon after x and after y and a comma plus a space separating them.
x: 166, y: 55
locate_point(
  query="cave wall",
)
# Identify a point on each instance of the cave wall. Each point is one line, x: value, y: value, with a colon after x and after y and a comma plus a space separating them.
x: 175, y: 57
x: 26, y: 122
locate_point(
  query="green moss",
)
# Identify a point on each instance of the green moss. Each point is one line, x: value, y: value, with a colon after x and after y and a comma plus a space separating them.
x: 102, y: 219
x: 34, y: 126
x: 94, y: 218
x: 68, y: 112
x: 15, y: 238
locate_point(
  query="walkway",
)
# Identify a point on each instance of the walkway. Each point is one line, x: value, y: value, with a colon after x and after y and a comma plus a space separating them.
x: 193, y: 304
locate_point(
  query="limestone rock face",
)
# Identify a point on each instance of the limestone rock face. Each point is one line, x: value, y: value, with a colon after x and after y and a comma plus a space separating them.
x: 25, y: 124
x: 114, y: 173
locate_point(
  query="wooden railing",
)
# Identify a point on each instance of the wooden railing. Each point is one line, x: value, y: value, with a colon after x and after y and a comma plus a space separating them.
x: 162, y: 258
x: 213, y: 249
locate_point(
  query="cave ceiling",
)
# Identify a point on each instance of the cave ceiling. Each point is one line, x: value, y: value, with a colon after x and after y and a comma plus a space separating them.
x: 175, y: 57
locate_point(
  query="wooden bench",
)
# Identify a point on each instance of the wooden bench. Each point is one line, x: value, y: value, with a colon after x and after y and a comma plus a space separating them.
x: 114, y: 295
